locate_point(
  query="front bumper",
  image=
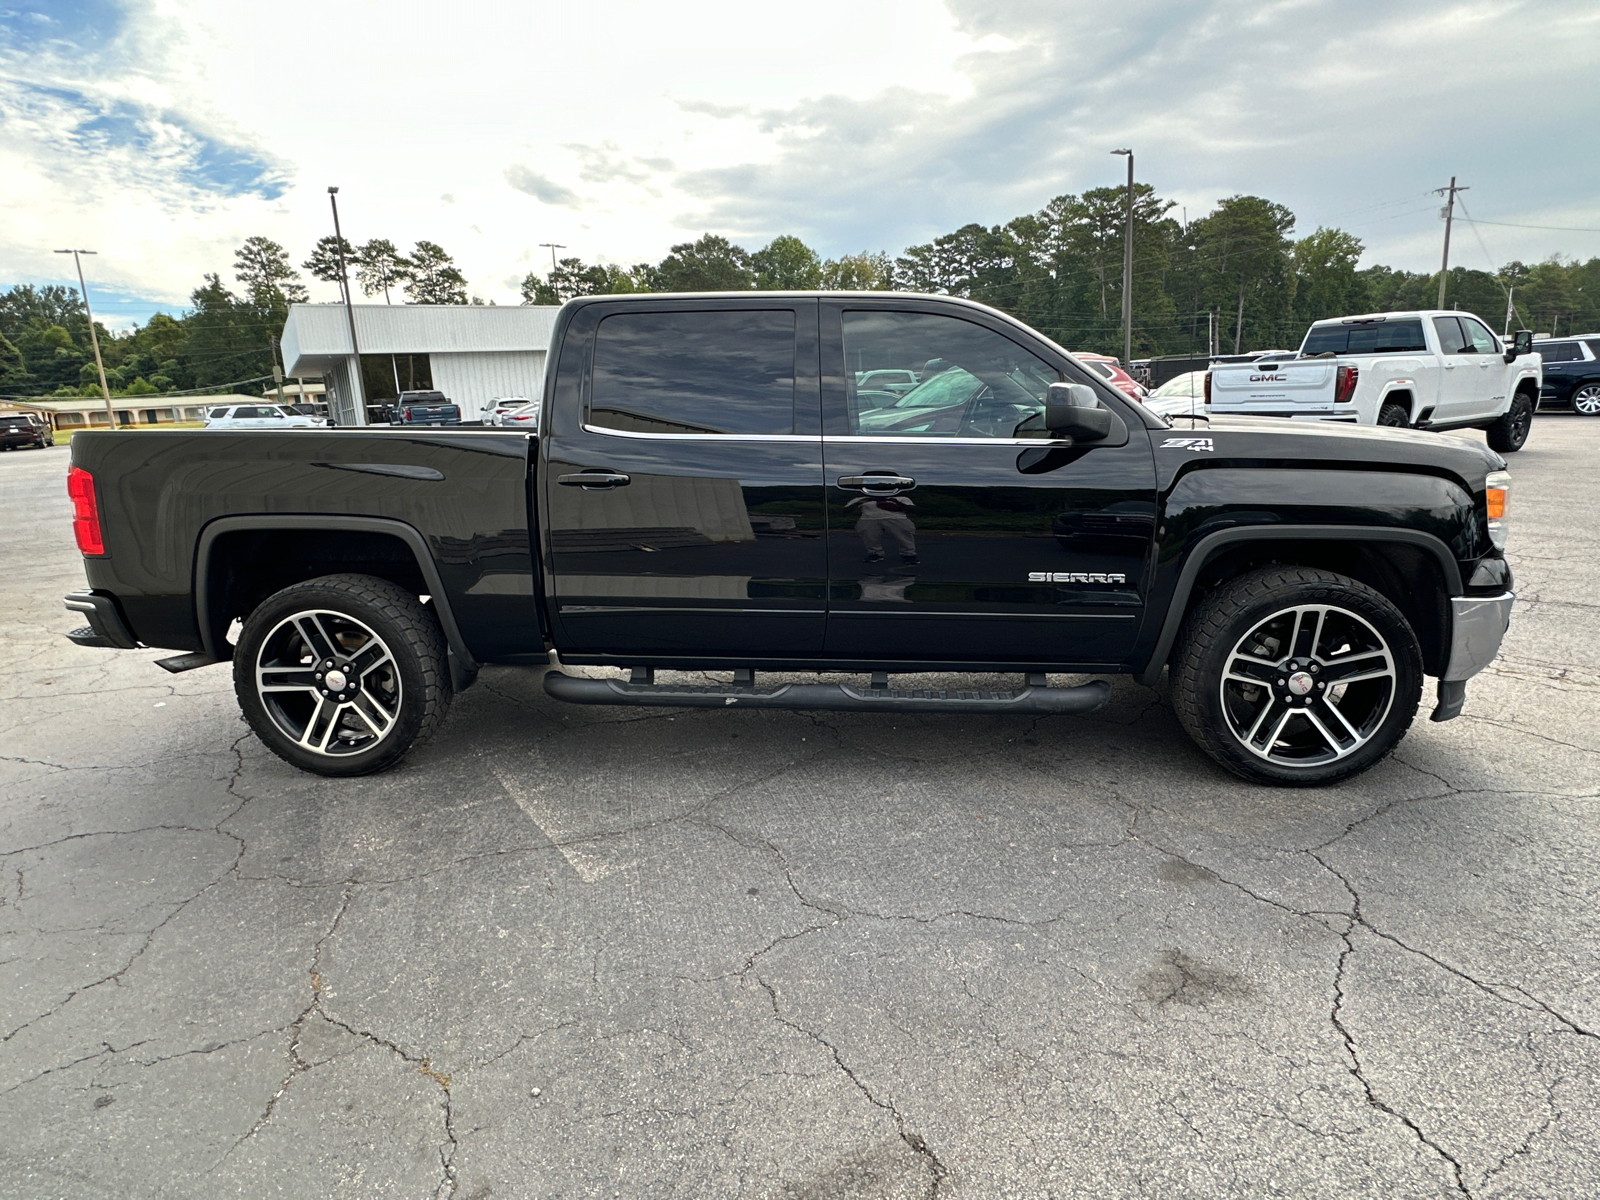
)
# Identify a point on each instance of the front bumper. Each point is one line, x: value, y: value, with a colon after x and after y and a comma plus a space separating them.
x: 1478, y: 625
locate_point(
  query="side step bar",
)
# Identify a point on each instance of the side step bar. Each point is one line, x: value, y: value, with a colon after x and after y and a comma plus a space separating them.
x: 833, y: 697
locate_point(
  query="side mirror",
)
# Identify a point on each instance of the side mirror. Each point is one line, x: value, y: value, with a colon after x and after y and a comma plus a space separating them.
x: 1521, y: 343
x: 1071, y: 410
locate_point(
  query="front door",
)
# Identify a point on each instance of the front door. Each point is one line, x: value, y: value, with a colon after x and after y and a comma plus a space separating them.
x: 958, y: 530
x: 1458, y: 371
x: 682, y: 482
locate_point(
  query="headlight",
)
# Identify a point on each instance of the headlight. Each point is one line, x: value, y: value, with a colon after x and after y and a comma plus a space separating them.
x: 1497, y: 492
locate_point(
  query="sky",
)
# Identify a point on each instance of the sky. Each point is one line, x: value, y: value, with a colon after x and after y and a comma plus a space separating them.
x: 162, y: 133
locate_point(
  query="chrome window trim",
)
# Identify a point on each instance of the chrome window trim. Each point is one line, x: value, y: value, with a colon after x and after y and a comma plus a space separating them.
x: 870, y: 439
x: 703, y: 437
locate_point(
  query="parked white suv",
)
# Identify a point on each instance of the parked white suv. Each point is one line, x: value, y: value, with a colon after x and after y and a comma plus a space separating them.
x: 1430, y: 370
x: 257, y: 416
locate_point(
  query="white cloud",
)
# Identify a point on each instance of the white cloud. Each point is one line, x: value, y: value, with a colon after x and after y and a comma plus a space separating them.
x: 621, y: 127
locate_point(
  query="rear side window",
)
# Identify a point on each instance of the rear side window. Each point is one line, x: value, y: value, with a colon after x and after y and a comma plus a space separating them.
x: 218, y: 413
x: 1451, y: 339
x: 1376, y: 337
x: 1553, y: 352
x: 695, y: 372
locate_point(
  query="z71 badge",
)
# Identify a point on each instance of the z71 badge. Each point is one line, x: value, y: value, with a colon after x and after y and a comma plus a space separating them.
x: 1195, y: 444
x: 1076, y: 577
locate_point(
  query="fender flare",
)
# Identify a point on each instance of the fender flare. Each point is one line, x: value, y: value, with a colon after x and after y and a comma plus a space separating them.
x: 1207, y: 548
x: 463, y: 667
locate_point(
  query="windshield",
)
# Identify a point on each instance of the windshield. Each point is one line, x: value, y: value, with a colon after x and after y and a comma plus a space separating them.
x: 1185, y: 386
x: 1372, y: 337
x: 951, y: 386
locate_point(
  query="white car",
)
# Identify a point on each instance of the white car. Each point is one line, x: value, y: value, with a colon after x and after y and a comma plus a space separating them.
x: 1430, y: 369
x: 1181, y: 396
x: 257, y: 416
x: 525, y: 418
x: 495, y: 414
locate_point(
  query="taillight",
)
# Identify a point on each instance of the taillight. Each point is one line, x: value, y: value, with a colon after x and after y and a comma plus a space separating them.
x: 85, y: 513
x: 1207, y: 388
x: 1344, y: 384
x: 408, y: 414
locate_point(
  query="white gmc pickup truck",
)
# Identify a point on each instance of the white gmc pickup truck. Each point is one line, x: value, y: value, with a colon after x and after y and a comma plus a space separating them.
x: 1427, y: 370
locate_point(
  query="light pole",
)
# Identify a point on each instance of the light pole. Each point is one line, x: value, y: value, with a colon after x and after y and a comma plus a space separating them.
x: 552, y: 247
x: 1127, y: 271
x: 83, y: 288
x: 356, y: 387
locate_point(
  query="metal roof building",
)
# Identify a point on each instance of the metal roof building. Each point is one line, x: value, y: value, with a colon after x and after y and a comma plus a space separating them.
x: 476, y: 353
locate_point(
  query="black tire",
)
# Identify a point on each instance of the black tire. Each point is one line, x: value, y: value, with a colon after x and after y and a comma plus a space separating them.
x: 1243, y: 659
x: 1508, y: 434
x: 1586, y: 400
x: 389, y: 658
x: 1395, y: 416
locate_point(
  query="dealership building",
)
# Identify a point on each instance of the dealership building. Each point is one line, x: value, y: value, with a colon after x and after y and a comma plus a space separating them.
x: 475, y: 354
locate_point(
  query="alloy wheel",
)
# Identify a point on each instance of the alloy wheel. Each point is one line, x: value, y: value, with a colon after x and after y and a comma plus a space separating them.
x: 1586, y: 400
x: 1308, y: 685
x: 328, y: 682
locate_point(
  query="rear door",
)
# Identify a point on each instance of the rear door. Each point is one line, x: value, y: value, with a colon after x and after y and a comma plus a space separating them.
x: 958, y: 531
x: 682, y: 482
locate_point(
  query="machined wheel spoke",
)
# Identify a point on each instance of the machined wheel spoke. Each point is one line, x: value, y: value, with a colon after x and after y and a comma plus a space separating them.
x: 374, y: 654
x: 1308, y: 631
x: 1356, y: 668
x: 370, y: 711
x: 1327, y: 720
x: 324, y: 718
x: 315, y: 636
x: 285, y: 679
x: 1269, y: 723
x: 1248, y: 669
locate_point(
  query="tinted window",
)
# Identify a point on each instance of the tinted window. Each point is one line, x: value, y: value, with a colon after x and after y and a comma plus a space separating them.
x: 972, y: 382
x: 1451, y: 339
x: 1483, y: 342
x: 1554, y: 352
x: 1373, y: 337
x: 695, y: 372
x: 218, y: 413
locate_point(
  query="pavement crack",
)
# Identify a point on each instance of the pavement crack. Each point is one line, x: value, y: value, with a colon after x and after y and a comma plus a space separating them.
x: 915, y: 1141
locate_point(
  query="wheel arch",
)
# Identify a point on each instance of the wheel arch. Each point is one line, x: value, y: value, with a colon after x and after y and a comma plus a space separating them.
x: 241, y: 560
x: 1412, y: 569
x: 1400, y: 393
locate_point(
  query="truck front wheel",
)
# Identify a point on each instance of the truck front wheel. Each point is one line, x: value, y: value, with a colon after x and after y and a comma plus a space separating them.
x: 1511, y: 431
x: 342, y: 675
x: 1296, y: 676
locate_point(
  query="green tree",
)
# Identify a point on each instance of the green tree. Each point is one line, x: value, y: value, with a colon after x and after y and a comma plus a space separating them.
x: 786, y: 264
x: 571, y: 277
x: 1549, y: 297
x: 1244, y: 255
x: 862, y: 272
x: 13, y: 371
x: 712, y: 264
x: 433, y: 277
x: 324, y: 261
x: 381, y: 267
x: 269, y: 280
x: 1327, y: 283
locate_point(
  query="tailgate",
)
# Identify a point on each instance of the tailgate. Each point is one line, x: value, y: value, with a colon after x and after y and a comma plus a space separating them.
x: 1287, y: 388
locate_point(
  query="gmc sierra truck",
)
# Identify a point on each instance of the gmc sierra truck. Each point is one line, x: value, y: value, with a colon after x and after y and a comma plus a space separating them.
x: 1428, y: 370
x: 709, y: 489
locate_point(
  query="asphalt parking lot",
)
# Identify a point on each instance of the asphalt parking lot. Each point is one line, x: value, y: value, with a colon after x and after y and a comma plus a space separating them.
x: 570, y: 952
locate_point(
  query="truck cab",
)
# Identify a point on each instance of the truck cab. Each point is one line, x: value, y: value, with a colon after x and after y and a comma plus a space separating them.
x: 1430, y: 369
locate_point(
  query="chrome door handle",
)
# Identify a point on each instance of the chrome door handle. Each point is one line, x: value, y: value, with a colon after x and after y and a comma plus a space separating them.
x: 594, y: 481
x: 876, y: 484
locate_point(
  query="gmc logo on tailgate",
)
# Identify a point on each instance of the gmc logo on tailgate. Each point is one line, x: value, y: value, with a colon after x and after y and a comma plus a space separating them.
x: 1269, y: 379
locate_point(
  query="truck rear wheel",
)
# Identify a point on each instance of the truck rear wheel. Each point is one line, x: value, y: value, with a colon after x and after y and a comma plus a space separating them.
x: 1296, y: 676
x: 1395, y: 416
x: 1511, y: 430
x: 342, y: 675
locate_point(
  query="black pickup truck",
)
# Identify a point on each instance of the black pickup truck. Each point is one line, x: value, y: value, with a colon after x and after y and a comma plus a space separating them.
x: 711, y: 490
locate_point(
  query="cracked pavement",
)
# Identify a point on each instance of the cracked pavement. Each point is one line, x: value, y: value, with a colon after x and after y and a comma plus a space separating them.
x: 579, y: 952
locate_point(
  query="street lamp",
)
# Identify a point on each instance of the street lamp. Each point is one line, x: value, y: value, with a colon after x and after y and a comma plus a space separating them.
x: 1127, y: 272
x: 111, y: 417
x: 359, y: 392
x: 552, y: 247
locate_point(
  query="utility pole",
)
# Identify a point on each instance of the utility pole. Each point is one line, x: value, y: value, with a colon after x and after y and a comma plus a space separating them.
x: 83, y: 288
x: 359, y: 392
x: 277, y: 370
x: 1449, y: 213
x: 552, y: 247
x: 1127, y: 271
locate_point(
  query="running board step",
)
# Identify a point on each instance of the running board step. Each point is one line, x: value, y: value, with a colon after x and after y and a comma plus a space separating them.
x: 834, y: 697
